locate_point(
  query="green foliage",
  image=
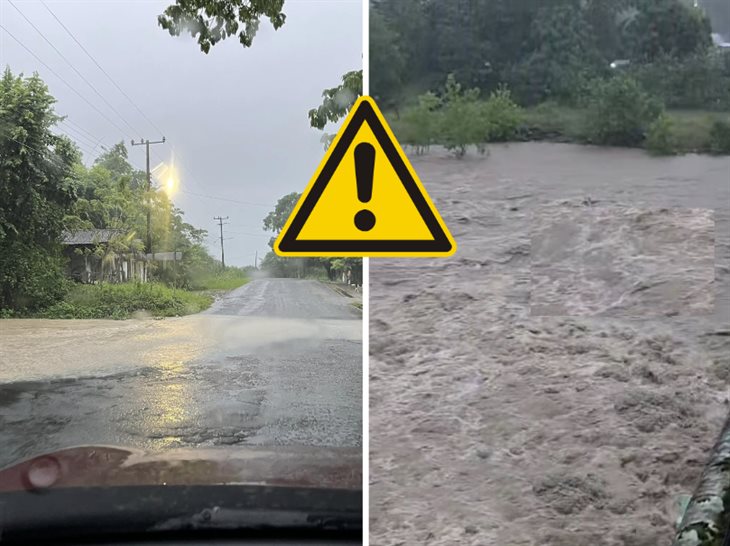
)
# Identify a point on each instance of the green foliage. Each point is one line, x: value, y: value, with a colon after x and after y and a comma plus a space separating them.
x: 120, y: 301
x: 37, y: 191
x: 32, y: 277
x: 460, y: 119
x: 501, y: 115
x: 664, y: 28
x: 214, y: 20
x: 386, y: 55
x: 660, y: 139
x: 720, y: 137
x: 336, y: 103
x: 228, y: 279
x: 422, y: 123
x: 694, y: 81
x: 551, y: 50
x: 563, y: 56
x: 461, y: 123
x: 276, y: 219
x: 621, y: 112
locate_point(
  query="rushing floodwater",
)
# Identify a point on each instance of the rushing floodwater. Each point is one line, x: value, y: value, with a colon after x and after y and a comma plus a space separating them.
x: 560, y: 379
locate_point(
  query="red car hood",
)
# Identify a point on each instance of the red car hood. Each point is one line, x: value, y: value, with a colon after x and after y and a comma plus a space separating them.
x: 105, y: 466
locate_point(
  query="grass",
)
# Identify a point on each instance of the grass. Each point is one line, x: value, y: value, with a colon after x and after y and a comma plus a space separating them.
x: 121, y: 301
x: 690, y: 129
x: 226, y: 280
x: 548, y: 121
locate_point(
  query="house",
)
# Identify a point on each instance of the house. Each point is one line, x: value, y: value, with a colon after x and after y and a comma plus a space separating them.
x: 96, y: 255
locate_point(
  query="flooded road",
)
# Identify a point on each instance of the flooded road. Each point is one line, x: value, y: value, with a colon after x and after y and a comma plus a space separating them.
x: 560, y: 379
x: 275, y: 362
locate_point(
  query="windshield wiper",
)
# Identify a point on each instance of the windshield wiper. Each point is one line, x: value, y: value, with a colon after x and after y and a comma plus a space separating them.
x: 223, y: 518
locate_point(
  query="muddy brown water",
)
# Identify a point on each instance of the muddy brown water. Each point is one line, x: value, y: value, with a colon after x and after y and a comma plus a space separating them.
x: 561, y: 378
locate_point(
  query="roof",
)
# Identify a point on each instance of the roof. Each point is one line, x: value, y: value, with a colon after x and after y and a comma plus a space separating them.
x: 89, y: 236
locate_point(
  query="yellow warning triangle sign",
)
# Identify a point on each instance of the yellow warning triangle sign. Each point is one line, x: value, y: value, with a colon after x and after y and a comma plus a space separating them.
x: 365, y: 199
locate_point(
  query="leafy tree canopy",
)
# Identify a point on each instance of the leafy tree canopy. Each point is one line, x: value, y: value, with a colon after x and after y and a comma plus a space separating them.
x: 37, y: 190
x: 211, y: 21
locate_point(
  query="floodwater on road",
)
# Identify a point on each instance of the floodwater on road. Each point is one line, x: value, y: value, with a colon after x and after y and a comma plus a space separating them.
x: 244, y: 372
x: 561, y: 378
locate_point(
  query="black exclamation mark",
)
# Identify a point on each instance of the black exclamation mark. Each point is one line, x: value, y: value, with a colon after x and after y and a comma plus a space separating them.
x: 364, y: 170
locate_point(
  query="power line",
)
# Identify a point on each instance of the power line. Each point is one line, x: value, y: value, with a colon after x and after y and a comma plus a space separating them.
x: 79, y: 137
x: 62, y: 80
x: 81, y: 129
x: 73, y: 68
x: 82, y: 147
x: 250, y: 234
x: 225, y: 199
x: 52, y: 158
x: 159, y: 131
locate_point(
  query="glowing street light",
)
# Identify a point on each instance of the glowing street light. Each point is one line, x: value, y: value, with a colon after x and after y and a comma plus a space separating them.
x: 170, y: 186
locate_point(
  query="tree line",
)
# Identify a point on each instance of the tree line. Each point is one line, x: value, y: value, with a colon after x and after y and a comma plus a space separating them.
x: 469, y: 72
x: 46, y: 190
x: 546, y: 50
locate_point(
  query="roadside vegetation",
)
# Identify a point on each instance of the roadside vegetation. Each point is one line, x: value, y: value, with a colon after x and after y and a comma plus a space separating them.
x: 46, y: 191
x: 635, y: 73
x: 122, y: 301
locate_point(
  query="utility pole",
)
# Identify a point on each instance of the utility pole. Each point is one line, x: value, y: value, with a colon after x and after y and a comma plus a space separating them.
x: 149, y: 187
x: 256, y: 260
x: 220, y: 223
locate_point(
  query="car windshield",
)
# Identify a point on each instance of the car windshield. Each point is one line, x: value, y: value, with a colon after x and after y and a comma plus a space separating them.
x: 149, y: 336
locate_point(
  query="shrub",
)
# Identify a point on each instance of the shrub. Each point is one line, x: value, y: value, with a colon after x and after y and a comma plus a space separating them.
x: 621, y: 112
x: 422, y: 123
x: 501, y: 116
x: 720, y: 137
x: 661, y: 139
x: 461, y: 122
x: 119, y: 301
x: 33, y: 279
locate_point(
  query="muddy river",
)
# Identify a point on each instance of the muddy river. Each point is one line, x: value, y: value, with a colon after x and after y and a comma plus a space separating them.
x: 560, y: 379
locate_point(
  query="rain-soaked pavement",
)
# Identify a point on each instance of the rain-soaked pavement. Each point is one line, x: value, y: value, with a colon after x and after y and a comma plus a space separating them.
x: 275, y: 362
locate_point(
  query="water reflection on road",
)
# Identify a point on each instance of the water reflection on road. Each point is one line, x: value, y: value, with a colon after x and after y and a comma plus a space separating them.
x: 246, y: 372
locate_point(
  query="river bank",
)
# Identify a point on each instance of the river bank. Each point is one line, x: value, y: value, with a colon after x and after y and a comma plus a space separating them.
x: 691, y: 129
x: 690, y: 132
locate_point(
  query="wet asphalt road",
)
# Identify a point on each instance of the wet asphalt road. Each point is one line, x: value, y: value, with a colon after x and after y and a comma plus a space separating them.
x: 275, y: 362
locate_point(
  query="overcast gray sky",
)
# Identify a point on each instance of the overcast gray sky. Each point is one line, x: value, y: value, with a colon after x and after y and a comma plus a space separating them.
x: 235, y: 119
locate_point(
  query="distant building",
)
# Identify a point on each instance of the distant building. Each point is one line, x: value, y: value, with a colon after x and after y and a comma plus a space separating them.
x: 93, y: 257
x: 720, y: 41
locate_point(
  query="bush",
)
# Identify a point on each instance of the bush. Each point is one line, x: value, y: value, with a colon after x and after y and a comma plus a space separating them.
x: 621, y: 112
x: 461, y: 124
x: 501, y: 116
x: 720, y: 137
x: 661, y: 139
x: 119, y: 301
x: 32, y: 279
x: 421, y: 123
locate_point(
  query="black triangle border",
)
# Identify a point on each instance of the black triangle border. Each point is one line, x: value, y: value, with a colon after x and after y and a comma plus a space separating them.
x: 290, y: 243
